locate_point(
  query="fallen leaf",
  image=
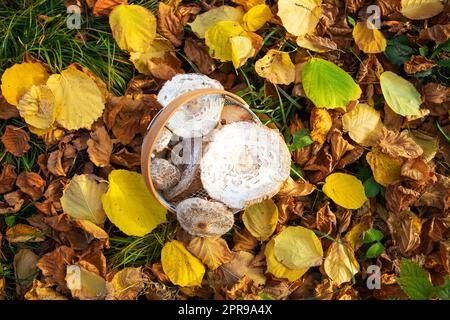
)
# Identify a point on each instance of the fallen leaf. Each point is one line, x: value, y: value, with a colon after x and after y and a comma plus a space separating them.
x: 55, y: 163
x: 405, y: 230
x: 418, y: 64
x: 363, y: 124
x: 340, y: 263
x: 197, y: 52
x: 436, y: 194
x: 126, y: 159
x: 321, y: 124
x: 40, y: 292
x: 243, y: 240
x: 24, y: 233
x: 298, y: 248
x: 213, y: 252
x: 19, y: 78
x: 399, y: 144
x: 130, y: 206
x: 416, y: 169
x: 85, y: 284
x: 31, y: 183
x: 16, y: 141
x: 24, y: 270
x: 7, y: 111
x: 368, y: 38
x: 78, y: 99
x: 345, y: 190
x: 421, y: 9
x: 385, y: 169
x: 102, y: 8
x: 438, y: 33
x: 100, y: 147
x: 316, y: 43
x: 256, y: 17
x: 325, y: 219
x: 248, y: 4
x: 14, y: 201
x: 180, y: 265
x: 37, y: 106
x: 327, y: 85
x: 278, y: 269
x: 53, y: 266
x: 292, y: 188
x: 7, y: 178
x: 170, y: 25
x: 293, y: 11
x: 133, y: 27
x: 261, y: 219
x: 276, y: 67
x: 126, y: 284
x: 401, y: 96
x: 206, y: 20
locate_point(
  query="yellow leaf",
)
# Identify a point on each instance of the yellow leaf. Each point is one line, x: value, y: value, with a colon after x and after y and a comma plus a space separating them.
x: 340, y: 263
x: 78, y: 99
x: 241, y: 50
x: 321, y: 123
x: 429, y: 144
x: 228, y: 41
x: 369, y: 40
x: 206, y: 20
x: 276, y: 67
x: 256, y: 17
x: 354, y: 236
x: 84, y: 284
x: 298, y: 248
x: 82, y: 198
x: 421, y: 9
x: 363, y: 124
x: 386, y: 169
x: 248, y: 4
x: 133, y: 27
x: 278, y: 269
x: 37, y: 106
x: 345, y: 190
x: 300, y: 17
x: 126, y: 284
x: 19, y: 78
x: 129, y: 204
x: 211, y: 251
x: 261, y: 219
x: 180, y: 265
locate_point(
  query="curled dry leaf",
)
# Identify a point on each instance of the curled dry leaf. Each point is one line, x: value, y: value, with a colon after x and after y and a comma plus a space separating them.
x: 53, y: 266
x: 82, y: 198
x: 7, y: 111
x: 261, y: 219
x: 40, y: 291
x: 325, y: 219
x: 416, y: 169
x: 292, y: 188
x: 418, y: 64
x: 243, y: 240
x: 405, y: 229
x: 399, y: 144
x: 16, y: 141
x: 180, y: 265
x: 24, y: 233
x: 126, y: 284
x: 340, y: 263
x: 19, y: 78
x: 85, y: 284
x: 31, y: 183
x: 438, y: 33
x: 170, y: 24
x: 316, y: 43
x: 276, y: 67
x: 197, y: 52
x: 213, y: 252
x: 385, y: 169
x: 321, y: 123
x: 7, y: 178
x: 100, y: 147
x: 103, y: 8
x: 14, y: 201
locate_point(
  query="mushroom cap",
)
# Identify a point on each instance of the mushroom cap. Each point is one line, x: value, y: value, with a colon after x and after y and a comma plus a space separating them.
x: 163, y: 140
x: 199, y: 116
x: 164, y: 174
x: 204, y: 218
x: 245, y: 163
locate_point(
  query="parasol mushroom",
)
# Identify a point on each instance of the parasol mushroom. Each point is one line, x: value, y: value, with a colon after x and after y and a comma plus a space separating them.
x: 164, y: 174
x: 199, y: 116
x: 245, y: 163
x: 163, y: 140
x: 204, y: 218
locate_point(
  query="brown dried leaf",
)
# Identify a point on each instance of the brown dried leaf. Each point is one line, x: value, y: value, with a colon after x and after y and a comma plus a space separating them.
x: 103, y: 8
x: 100, y: 147
x: 418, y: 64
x: 126, y: 284
x: 292, y: 188
x: 169, y: 24
x: 321, y: 123
x: 53, y: 266
x: 55, y: 163
x: 39, y: 291
x: 399, y: 144
x: 15, y: 141
x: 339, y: 146
x: 14, y: 201
x: 436, y: 194
x: 31, y: 183
x: 7, y: 111
x: 325, y: 219
x: 197, y: 52
x: 7, y: 178
x: 436, y: 93
x: 24, y: 233
x: 211, y: 251
x: 405, y: 230
x: 127, y: 159
x: 416, y: 169
x: 243, y: 240
x: 438, y: 33
x: 399, y: 198
x: 24, y: 269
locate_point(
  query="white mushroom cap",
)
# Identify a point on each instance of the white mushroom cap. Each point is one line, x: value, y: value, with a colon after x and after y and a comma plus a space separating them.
x: 201, y: 115
x: 164, y: 174
x: 204, y: 218
x: 245, y: 163
x: 163, y: 140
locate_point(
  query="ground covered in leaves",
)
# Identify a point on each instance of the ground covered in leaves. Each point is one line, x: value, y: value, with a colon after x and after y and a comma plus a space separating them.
x: 358, y: 89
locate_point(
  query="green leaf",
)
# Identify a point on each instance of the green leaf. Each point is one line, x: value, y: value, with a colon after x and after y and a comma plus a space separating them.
x: 351, y: 21
x: 373, y: 235
x: 401, y: 96
x: 414, y: 281
x: 374, y: 250
x: 371, y: 188
x: 398, y: 50
x: 327, y: 85
x: 296, y: 172
x: 443, y: 291
x: 10, y: 220
x: 301, y: 139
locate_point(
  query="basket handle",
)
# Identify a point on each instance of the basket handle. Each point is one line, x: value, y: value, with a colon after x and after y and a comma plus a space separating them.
x: 160, y: 122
